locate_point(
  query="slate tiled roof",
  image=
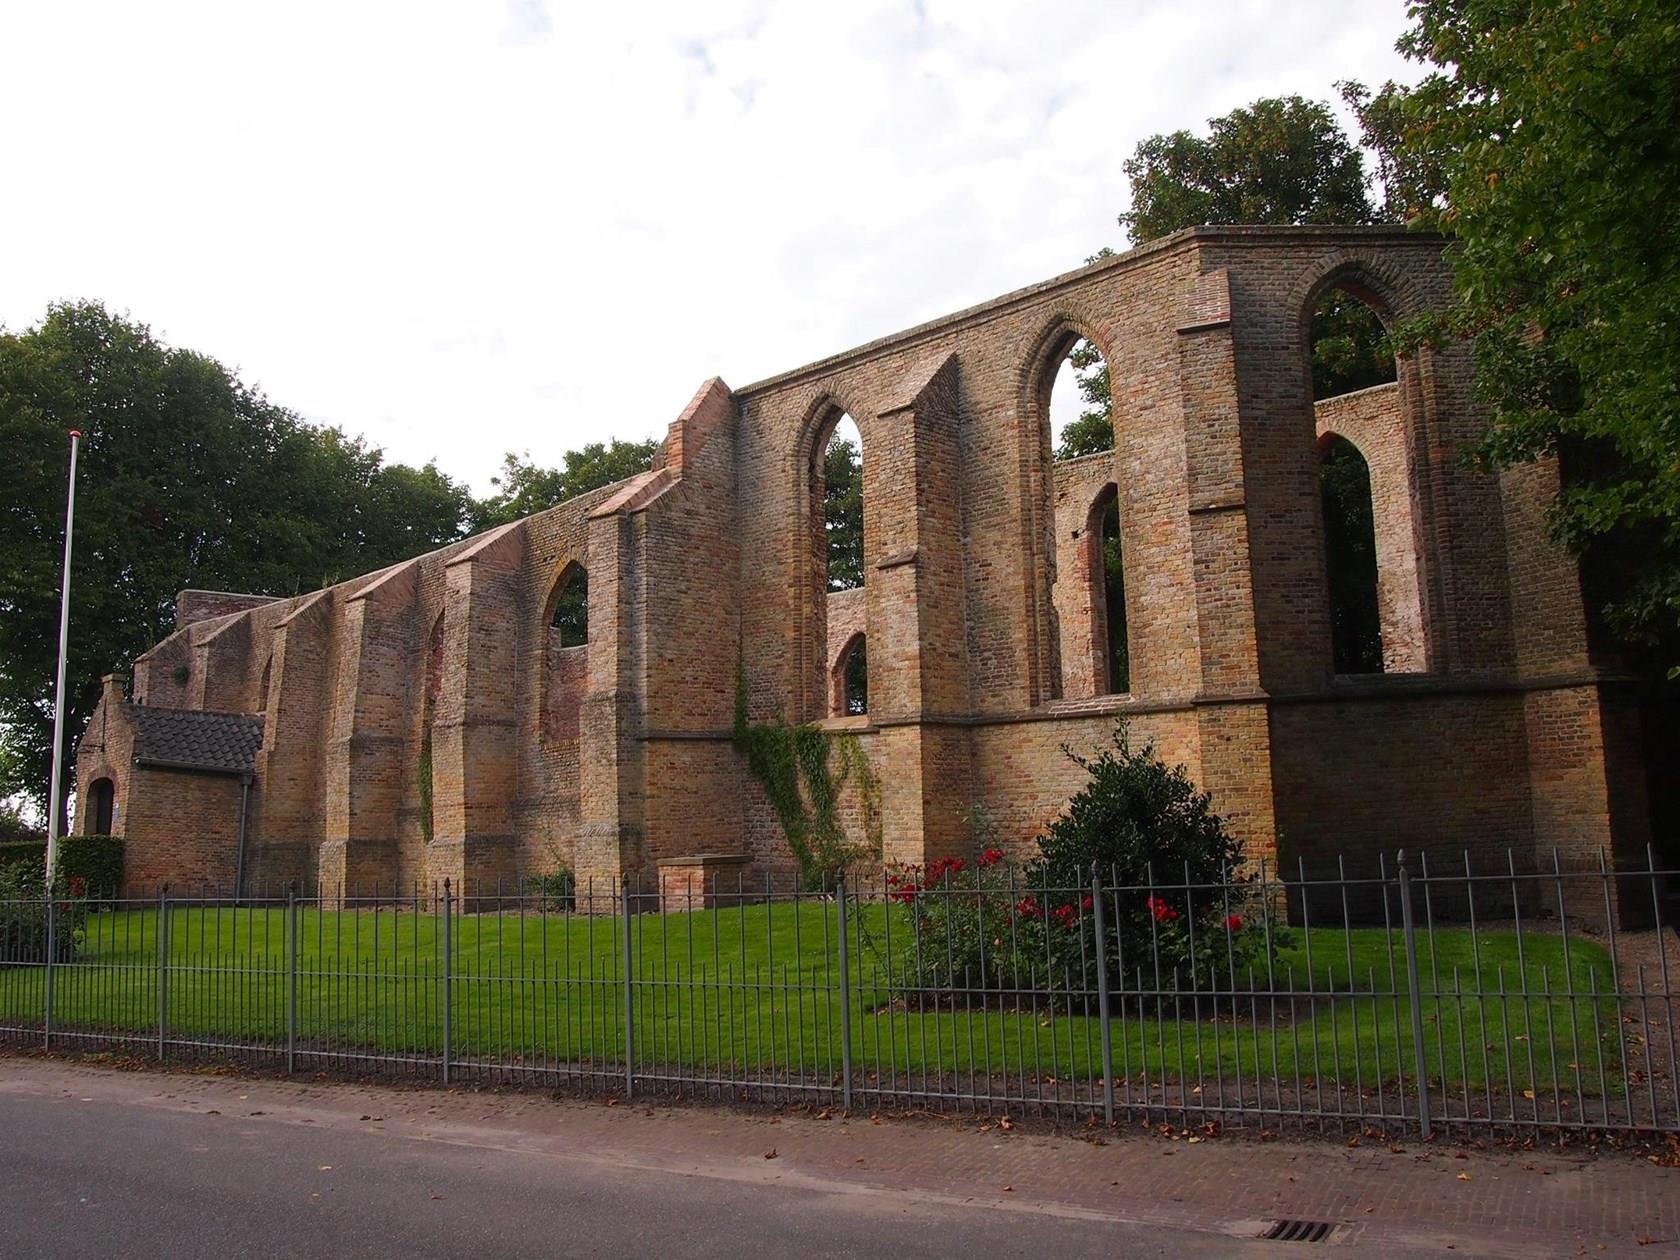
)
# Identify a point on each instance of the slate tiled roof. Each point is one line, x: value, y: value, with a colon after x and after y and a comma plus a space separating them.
x: 194, y: 739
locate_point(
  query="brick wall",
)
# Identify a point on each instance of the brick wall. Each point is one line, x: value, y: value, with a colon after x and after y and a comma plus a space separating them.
x: 1489, y: 729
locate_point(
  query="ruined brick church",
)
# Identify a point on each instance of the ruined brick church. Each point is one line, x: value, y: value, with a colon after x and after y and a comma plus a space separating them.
x: 560, y: 691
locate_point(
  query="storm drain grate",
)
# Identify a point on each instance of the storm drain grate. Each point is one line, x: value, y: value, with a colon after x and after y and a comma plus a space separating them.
x: 1298, y: 1231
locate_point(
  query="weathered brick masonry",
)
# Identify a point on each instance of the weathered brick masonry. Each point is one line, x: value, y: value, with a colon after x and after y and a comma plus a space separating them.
x: 1491, y: 727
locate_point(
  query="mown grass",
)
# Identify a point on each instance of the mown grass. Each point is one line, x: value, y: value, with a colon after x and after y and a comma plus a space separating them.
x: 754, y: 991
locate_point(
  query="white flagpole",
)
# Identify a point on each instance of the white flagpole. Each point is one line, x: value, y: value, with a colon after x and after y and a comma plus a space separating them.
x: 63, y: 645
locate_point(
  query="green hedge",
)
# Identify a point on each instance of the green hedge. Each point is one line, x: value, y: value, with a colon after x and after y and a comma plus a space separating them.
x: 95, y: 860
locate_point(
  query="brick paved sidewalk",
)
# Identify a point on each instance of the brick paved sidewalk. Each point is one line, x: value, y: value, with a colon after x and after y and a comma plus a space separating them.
x: 1467, y: 1202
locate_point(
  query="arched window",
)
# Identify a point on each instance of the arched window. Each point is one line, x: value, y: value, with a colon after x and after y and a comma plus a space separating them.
x: 1369, y: 437
x: 842, y: 477
x: 1089, y: 654
x: 101, y: 807
x: 834, y: 565
x: 1347, y: 346
x: 851, y: 679
x: 1081, y: 401
x: 1108, y: 594
x: 569, y: 606
x: 1350, y: 554
x: 565, y: 658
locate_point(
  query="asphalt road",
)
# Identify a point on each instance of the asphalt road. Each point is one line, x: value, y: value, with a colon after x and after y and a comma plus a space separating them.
x: 117, y: 1163
x: 112, y: 1178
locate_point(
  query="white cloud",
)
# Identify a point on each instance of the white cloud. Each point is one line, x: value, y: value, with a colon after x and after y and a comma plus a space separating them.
x: 463, y: 228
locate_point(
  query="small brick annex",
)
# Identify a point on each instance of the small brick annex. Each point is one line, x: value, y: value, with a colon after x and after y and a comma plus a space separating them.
x: 440, y: 681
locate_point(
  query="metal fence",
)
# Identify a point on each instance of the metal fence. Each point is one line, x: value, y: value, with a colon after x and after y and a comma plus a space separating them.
x: 1414, y: 1000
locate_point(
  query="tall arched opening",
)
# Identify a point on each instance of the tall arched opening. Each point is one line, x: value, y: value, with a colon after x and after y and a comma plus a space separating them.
x: 1083, y: 561
x: 1366, y: 450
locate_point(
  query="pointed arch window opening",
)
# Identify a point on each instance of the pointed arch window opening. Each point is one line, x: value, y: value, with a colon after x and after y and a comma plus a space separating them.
x: 1088, y: 616
x: 1350, y: 556
x: 1349, y: 351
x: 1367, y: 497
x: 833, y: 527
x: 842, y: 498
x: 569, y: 607
x: 1108, y: 594
x: 851, y: 697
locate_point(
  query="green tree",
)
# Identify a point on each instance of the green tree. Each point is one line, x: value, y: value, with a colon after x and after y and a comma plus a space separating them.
x: 1412, y: 178
x: 524, y: 488
x: 1093, y: 430
x: 1280, y: 160
x: 843, y: 513
x: 1546, y: 141
x: 14, y: 826
x: 1349, y: 346
x: 188, y: 478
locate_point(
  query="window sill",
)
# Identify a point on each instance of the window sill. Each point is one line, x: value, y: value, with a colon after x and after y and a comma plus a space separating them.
x: 854, y: 722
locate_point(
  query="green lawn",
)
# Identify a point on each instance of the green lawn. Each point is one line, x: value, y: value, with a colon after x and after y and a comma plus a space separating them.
x: 754, y: 992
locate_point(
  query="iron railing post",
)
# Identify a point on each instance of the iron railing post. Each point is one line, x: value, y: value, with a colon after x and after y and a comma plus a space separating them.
x: 845, y: 1003
x: 52, y: 949
x: 291, y: 977
x: 447, y: 973
x: 163, y: 971
x: 629, y: 997
x: 1419, y: 1053
x: 1102, y: 995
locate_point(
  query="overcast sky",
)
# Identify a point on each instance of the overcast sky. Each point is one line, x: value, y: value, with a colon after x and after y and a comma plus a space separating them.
x: 467, y: 227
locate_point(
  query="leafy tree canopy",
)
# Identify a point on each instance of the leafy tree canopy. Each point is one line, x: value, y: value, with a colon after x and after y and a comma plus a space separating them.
x: 1280, y: 160
x: 524, y: 487
x: 188, y: 478
x: 1546, y: 141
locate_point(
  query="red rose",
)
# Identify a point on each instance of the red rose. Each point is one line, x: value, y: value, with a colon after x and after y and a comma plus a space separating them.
x: 1161, y: 910
x: 1234, y: 923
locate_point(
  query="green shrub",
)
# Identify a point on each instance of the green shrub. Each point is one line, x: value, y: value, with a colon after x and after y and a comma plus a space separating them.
x: 1182, y: 906
x: 88, y: 864
x: 91, y: 865
x: 557, y: 890
x: 1178, y: 911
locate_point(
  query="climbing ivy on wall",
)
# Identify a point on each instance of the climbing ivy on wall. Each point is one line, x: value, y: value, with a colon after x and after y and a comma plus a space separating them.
x: 792, y: 765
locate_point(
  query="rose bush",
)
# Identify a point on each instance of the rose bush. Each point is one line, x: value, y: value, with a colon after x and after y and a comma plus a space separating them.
x: 1179, y: 912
